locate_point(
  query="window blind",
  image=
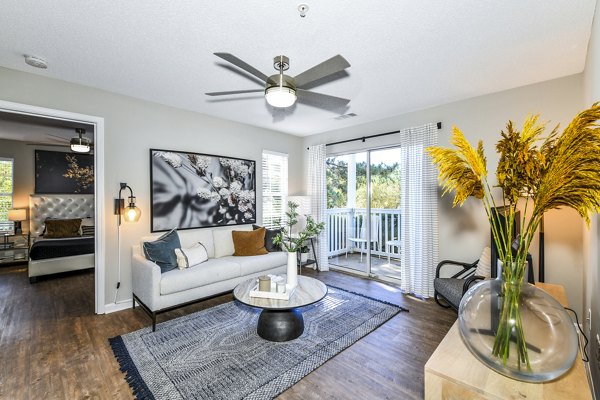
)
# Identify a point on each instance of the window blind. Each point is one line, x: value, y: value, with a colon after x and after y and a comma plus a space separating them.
x: 274, y: 187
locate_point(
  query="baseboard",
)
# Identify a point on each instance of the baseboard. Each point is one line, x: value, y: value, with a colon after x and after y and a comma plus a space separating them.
x: 119, y: 306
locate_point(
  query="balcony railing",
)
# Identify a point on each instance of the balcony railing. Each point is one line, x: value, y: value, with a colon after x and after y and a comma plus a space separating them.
x: 345, y: 223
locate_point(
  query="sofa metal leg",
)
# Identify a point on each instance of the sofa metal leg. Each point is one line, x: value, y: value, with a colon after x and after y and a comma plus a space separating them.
x: 153, y: 322
x: 134, y: 303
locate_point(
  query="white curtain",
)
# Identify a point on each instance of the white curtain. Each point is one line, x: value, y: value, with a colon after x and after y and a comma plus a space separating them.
x: 419, y: 221
x: 317, y: 191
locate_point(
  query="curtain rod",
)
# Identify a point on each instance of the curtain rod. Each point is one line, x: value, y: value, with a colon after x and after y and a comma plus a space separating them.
x: 439, y: 126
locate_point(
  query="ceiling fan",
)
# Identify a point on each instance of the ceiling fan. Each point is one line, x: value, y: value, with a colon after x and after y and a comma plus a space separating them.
x: 283, y: 90
x: 78, y: 144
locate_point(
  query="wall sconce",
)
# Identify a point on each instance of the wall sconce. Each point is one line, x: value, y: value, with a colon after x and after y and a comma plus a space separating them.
x: 129, y: 213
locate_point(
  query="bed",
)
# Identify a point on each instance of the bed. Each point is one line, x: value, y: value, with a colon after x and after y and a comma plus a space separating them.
x: 53, y: 256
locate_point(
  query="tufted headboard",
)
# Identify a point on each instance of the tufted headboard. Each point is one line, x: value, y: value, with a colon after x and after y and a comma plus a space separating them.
x: 61, y: 206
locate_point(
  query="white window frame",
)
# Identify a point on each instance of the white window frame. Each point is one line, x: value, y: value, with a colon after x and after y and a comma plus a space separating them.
x: 270, y: 214
x: 8, y: 223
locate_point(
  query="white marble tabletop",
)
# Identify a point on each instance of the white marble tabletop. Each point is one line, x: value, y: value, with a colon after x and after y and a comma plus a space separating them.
x: 308, y: 291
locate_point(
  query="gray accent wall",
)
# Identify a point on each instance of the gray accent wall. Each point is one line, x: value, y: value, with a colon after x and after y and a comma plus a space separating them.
x: 134, y: 126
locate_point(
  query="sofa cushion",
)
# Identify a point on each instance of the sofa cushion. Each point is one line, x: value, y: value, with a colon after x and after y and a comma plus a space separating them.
x: 224, y: 241
x: 253, y: 264
x: 162, y: 250
x: 250, y: 243
x: 190, y: 237
x: 206, y: 273
x: 269, y: 236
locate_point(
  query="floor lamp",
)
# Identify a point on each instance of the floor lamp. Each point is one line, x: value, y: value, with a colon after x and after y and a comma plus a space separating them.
x: 129, y: 213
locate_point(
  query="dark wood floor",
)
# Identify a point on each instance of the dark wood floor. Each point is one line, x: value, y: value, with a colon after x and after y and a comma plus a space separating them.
x: 52, y: 346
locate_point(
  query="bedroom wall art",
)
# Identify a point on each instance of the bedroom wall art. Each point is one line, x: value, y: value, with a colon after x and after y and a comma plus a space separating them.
x: 192, y: 190
x: 59, y: 172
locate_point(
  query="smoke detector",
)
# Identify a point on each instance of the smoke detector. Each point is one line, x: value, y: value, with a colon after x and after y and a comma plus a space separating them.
x: 303, y: 9
x: 36, y: 62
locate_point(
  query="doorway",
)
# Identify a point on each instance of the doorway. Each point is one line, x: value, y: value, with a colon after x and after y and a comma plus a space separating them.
x: 25, y: 110
x: 363, y: 212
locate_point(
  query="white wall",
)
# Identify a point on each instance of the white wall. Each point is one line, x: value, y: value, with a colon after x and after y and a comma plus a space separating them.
x: 463, y: 232
x: 592, y: 235
x: 131, y: 128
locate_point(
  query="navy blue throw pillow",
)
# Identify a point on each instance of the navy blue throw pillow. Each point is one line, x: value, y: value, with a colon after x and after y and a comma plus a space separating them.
x: 269, y: 236
x: 162, y: 251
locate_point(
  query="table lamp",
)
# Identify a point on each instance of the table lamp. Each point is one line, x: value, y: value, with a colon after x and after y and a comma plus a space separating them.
x: 17, y: 215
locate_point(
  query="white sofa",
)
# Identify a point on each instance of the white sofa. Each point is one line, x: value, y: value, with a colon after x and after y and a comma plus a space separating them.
x: 157, y: 293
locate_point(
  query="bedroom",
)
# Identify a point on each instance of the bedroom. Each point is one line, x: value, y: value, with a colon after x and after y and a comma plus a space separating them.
x: 47, y: 210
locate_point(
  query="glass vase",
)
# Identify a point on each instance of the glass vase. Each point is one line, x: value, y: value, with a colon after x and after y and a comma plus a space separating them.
x: 519, y: 331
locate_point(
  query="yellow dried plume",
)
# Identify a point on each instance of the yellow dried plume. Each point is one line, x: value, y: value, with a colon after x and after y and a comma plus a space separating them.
x: 571, y: 174
x: 462, y: 170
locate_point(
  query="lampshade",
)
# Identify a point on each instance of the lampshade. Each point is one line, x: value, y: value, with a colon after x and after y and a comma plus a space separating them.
x: 17, y: 215
x: 280, y: 96
x: 131, y: 213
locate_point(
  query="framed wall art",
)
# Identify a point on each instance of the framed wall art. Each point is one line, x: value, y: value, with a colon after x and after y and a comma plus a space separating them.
x: 193, y: 190
x: 58, y: 172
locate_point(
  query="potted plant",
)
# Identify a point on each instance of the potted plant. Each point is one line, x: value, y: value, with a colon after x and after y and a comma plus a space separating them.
x: 293, y: 243
x: 304, y: 250
x: 561, y: 171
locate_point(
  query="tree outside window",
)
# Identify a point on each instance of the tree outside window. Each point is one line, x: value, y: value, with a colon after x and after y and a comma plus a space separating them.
x: 6, y: 193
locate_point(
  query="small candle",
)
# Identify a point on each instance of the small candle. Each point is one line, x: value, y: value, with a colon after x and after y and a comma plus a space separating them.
x: 280, y: 287
x: 264, y: 283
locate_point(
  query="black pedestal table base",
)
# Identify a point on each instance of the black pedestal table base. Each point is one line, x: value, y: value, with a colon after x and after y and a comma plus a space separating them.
x: 280, y: 325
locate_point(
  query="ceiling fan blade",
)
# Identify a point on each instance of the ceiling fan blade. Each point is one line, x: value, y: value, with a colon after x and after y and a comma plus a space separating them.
x: 58, y: 137
x: 326, y: 68
x: 243, y: 65
x: 234, y: 92
x: 321, y: 100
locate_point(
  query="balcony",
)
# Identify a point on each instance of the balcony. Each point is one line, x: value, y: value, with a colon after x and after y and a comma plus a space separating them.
x: 344, y: 224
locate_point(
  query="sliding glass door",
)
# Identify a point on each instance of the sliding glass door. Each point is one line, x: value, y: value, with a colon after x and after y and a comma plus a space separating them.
x: 363, y: 223
x: 346, y: 211
x: 384, y: 168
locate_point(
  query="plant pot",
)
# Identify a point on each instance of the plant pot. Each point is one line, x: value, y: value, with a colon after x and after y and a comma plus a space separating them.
x: 292, y: 269
x: 533, y: 340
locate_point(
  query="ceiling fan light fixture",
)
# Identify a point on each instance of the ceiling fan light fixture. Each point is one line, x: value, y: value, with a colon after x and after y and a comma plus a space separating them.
x: 280, y: 96
x: 80, y: 144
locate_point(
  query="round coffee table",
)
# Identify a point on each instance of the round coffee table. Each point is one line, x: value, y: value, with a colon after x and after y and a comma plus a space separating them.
x: 281, y: 320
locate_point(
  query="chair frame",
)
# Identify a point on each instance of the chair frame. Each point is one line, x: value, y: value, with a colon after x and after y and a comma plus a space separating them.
x: 467, y: 273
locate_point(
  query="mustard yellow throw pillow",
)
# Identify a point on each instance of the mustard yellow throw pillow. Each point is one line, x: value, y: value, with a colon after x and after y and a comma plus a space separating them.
x: 249, y: 243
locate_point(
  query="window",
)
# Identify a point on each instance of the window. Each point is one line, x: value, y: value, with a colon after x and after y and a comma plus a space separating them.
x: 274, y: 187
x: 6, y: 193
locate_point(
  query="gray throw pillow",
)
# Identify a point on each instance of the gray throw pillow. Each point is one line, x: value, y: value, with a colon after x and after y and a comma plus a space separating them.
x: 269, y: 236
x: 162, y: 251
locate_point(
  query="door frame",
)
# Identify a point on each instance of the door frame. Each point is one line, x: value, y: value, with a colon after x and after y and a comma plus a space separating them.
x: 98, y: 122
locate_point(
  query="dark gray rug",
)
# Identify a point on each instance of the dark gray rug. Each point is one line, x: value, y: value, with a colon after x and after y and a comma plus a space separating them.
x: 216, y: 353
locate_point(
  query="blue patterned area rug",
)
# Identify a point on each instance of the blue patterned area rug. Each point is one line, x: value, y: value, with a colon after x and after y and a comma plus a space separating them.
x: 217, y: 354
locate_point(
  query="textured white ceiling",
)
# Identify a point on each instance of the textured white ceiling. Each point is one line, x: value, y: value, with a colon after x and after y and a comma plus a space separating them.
x: 404, y: 55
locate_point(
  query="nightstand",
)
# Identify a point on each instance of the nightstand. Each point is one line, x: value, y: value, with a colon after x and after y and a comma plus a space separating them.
x: 14, y: 248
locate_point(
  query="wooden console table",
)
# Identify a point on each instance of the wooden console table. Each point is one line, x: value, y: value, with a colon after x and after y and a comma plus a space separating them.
x: 452, y: 372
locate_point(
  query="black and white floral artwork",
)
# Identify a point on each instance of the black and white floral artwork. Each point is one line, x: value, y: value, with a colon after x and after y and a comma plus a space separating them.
x: 191, y: 190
